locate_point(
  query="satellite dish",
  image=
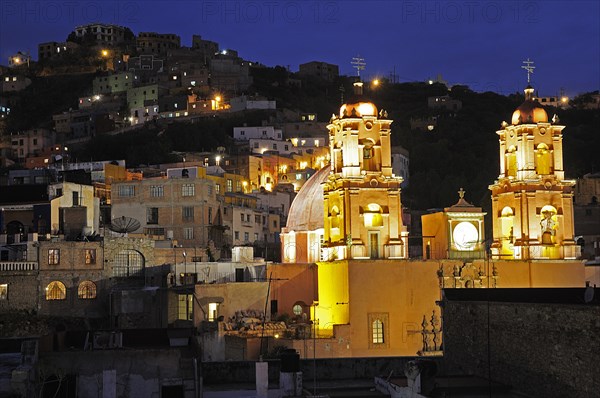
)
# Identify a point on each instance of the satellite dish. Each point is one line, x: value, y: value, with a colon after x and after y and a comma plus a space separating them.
x: 124, y: 224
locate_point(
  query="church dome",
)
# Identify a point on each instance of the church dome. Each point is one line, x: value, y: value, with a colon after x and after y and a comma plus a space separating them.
x: 529, y: 111
x: 306, y: 211
x: 358, y: 109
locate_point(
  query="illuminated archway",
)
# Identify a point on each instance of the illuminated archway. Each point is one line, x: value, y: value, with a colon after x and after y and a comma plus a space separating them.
x: 373, y: 216
x: 543, y: 159
x: 511, y: 162
x: 548, y: 225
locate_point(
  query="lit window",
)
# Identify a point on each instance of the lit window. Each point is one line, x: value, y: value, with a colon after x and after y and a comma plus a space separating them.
x: 188, y: 190
x: 212, y: 311
x: 56, y: 290
x: 86, y: 290
x: 185, y: 304
x: 377, y: 332
x: 90, y: 256
x: 53, y: 256
x: 297, y: 309
x: 4, y: 291
x: 229, y: 185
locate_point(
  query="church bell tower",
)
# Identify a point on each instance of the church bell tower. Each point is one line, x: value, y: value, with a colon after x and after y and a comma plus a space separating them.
x: 362, y: 207
x: 532, y: 202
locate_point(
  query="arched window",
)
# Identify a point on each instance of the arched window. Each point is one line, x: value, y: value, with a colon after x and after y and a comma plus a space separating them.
x: 548, y: 224
x: 377, y: 330
x: 128, y: 263
x: 511, y: 161
x: 373, y: 215
x: 335, y: 219
x: 543, y: 159
x: 56, y: 290
x: 87, y: 290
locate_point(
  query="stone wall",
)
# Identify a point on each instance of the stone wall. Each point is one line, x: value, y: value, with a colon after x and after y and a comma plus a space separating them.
x: 22, y: 291
x: 327, y: 369
x: 542, y: 349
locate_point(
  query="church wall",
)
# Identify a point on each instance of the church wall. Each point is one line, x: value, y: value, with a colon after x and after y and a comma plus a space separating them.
x: 404, y: 291
x: 293, y: 283
x: 333, y: 294
x: 433, y: 225
x: 538, y: 273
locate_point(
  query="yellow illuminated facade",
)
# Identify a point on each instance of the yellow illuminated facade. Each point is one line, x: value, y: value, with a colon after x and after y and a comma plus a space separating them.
x: 532, y: 202
x: 362, y: 208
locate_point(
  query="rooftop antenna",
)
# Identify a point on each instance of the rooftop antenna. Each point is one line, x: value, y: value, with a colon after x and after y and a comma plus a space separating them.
x: 358, y: 63
x: 528, y: 66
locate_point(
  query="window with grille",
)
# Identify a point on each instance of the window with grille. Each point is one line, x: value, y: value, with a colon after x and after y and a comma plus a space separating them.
x: 56, y: 290
x: 379, y: 335
x: 187, y: 213
x: 86, y: 290
x: 126, y: 190
x: 128, y: 263
x: 53, y: 256
x: 157, y: 191
x: 377, y: 332
x: 188, y: 190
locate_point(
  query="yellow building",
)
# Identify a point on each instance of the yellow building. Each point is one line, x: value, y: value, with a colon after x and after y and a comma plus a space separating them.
x: 532, y: 202
x: 370, y: 299
x: 457, y: 232
x: 361, y: 214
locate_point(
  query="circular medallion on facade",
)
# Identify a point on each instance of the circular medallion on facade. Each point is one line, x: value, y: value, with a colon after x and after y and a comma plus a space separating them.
x: 374, y: 182
x: 368, y: 125
x: 542, y: 131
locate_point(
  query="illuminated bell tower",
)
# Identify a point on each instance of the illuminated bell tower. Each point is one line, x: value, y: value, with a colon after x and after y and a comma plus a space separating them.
x: 362, y: 207
x: 532, y: 203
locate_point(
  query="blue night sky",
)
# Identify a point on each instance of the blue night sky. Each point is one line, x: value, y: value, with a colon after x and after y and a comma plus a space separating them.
x: 478, y: 43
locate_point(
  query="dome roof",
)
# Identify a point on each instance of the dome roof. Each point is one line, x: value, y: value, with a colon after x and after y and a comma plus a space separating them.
x: 358, y: 109
x: 306, y: 212
x: 529, y: 111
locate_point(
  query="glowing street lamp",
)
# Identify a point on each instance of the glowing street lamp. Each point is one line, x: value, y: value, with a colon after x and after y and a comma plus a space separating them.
x: 104, y: 53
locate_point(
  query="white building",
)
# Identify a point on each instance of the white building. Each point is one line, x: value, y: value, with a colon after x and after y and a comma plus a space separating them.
x: 244, y: 102
x: 103, y: 33
x: 262, y: 132
x: 259, y: 145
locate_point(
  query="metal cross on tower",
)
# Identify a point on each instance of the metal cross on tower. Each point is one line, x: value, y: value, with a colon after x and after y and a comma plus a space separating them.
x: 528, y: 66
x: 359, y: 64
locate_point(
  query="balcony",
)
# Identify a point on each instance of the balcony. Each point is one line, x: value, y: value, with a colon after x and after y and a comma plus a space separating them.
x: 18, y: 266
